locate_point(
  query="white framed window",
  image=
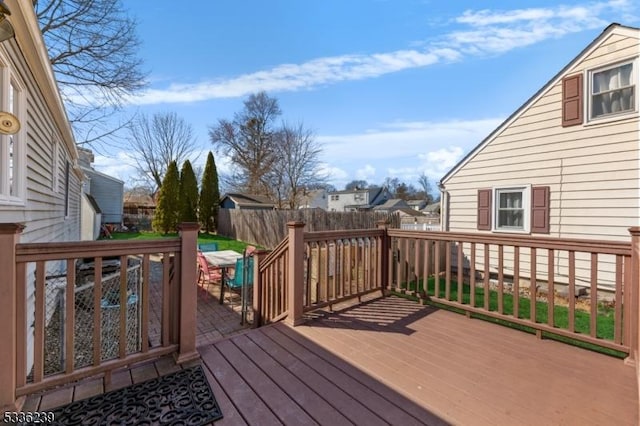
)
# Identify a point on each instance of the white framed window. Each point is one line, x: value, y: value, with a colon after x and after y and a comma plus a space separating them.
x: 12, y: 147
x: 612, y: 91
x: 511, y: 212
x: 55, y: 165
x: 67, y: 191
x: 335, y: 197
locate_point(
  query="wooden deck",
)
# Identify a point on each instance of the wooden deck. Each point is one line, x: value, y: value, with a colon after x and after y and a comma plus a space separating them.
x: 392, y: 361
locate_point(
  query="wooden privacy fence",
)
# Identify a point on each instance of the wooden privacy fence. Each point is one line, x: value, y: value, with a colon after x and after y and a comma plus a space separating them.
x: 267, y: 228
x: 86, y: 308
x: 580, y: 289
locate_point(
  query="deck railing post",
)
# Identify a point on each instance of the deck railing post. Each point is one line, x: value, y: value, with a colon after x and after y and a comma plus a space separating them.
x: 295, y: 269
x: 9, y: 237
x: 188, y: 292
x: 633, y: 287
x: 258, y: 255
x: 384, y: 256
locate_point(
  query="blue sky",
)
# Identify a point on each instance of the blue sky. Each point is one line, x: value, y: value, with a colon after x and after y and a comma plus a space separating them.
x: 390, y: 88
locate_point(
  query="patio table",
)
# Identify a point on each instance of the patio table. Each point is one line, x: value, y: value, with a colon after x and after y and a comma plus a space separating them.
x: 222, y: 259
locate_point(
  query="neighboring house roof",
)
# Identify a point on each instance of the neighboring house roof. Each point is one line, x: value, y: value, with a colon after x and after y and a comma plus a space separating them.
x: 93, y: 202
x: 248, y: 200
x: 417, y: 203
x: 134, y: 199
x: 392, y: 204
x: 408, y: 211
x: 431, y: 208
x: 92, y: 172
x: 613, y: 28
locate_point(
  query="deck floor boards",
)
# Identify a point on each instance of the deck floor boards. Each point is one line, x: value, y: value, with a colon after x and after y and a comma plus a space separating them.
x: 392, y: 361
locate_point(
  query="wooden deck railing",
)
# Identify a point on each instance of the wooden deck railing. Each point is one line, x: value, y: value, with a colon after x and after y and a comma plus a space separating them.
x: 270, y: 284
x: 86, y: 308
x: 583, y: 290
x: 579, y: 289
x: 341, y: 265
x: 310, y: 270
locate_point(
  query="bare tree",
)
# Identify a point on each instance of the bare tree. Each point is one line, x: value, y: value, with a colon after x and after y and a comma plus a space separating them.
x: 298, y: 164
x: 356, y: 184
x: 93, y: 48
x: 424, y: 183
x: 157, y: 141
x: 250, y: 141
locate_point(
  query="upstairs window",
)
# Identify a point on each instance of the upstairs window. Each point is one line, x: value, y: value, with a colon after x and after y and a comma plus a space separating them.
x: 612, y: 91
x: 335, y: 197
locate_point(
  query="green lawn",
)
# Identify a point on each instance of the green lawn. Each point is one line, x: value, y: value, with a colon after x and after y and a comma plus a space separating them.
x: 604, y: 324
x: 224, y: 243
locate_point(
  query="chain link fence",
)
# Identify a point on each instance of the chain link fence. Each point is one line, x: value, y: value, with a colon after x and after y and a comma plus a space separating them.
x: 84, y: 297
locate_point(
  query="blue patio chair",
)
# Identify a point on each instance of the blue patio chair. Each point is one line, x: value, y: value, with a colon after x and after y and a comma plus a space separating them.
x: 243, y: 276
x: 208, y: 247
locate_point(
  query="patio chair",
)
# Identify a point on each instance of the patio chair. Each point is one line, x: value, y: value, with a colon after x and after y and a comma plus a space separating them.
x: 242, y: 274
x: 208, y: 246
x: 207, y: 275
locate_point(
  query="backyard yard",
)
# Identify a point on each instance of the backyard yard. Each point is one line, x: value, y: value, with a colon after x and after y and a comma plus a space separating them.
x: 605, y: 312
x: 224, y: 243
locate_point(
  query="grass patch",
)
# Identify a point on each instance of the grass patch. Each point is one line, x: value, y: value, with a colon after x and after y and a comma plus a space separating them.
x: 605, y: 322
x: 224, y: 243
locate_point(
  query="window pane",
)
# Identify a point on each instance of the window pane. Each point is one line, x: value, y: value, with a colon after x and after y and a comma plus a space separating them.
x: 616, y: 101
x: 511, y: 200
x: 511, y: 218
x: 613, y: 91
x: 12, y: 109
x: 612, y: 79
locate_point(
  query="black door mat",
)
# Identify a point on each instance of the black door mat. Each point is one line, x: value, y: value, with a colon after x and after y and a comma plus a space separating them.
x: 181, y: 398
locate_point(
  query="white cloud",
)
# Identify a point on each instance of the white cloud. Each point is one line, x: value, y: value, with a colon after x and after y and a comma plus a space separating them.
x: 484, y: 32
x: 366, y: 173
x: 436, y: 164
x: 404, y: 139
x: 404, y: 149
x: 121, y: 165
x: 334, y: 175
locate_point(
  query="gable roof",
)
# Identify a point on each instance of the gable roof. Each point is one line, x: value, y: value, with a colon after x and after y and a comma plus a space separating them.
x: 371, y: 191
x: 431, y: 208
x: 392, y: 204
x: 613, y: 28
x: 408, y: 211
x: 247, y: 200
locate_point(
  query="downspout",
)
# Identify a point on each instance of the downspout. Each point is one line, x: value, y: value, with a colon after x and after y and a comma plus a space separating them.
x: 444, y: 207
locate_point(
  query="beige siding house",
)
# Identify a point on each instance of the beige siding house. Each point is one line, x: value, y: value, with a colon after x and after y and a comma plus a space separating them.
x: 566, y: 164
x: 40, y: 183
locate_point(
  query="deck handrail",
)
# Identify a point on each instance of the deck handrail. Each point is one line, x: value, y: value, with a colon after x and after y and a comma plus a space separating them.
x: 330, y: 265
x: 31, y: 252
x: 270, y: 284
x: 553, y: 243
x: 54, y: 290
x: 478, y: 273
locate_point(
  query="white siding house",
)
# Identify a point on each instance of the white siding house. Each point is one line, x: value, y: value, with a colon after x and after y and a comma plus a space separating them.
x: 40, y: 183
x: 107, y: 191
x: 565, y: 164
x: 356, y: 199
